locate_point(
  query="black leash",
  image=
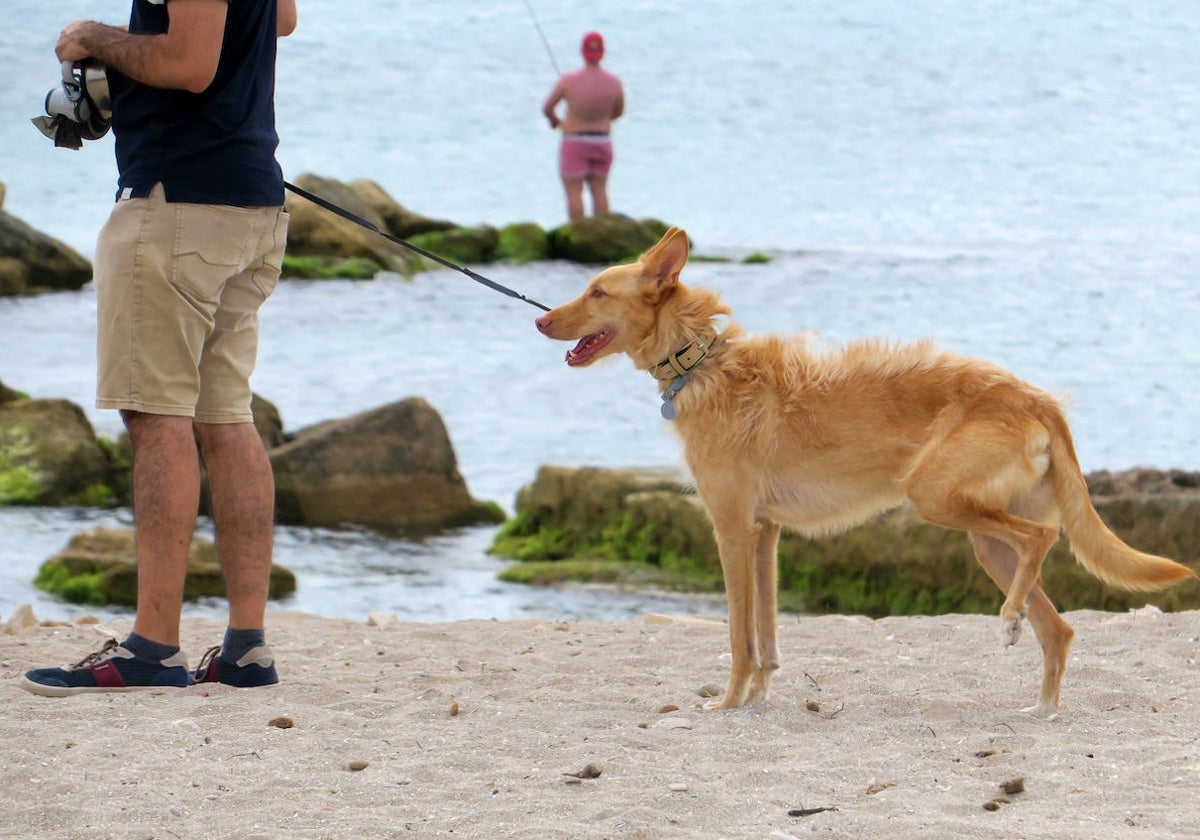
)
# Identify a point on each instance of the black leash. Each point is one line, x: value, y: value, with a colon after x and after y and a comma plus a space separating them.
x: 359, y: 220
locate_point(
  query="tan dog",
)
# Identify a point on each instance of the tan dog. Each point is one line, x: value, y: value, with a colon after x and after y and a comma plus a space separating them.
x: 779, y: 434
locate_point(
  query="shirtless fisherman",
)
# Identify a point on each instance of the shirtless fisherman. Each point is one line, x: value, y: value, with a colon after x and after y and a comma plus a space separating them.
x: 594, y: 99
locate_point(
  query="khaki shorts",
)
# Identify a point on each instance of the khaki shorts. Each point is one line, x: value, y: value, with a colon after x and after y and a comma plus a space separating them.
x: 178, y: 288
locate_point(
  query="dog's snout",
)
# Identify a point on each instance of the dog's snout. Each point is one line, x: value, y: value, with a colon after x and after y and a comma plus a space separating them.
x: 543, y: 322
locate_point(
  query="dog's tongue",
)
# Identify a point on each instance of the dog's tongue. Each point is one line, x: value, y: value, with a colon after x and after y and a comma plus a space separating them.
x: 579, y: 348
x: 588, y: 346
x: 577, y: 352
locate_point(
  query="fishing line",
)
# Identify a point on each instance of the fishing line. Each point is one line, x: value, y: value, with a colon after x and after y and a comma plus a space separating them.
x: 359, y: 220
x: 546, y: 43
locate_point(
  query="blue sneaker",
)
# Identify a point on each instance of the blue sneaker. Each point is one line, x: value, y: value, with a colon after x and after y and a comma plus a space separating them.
x: 254, y: 670
x: 112, y: 668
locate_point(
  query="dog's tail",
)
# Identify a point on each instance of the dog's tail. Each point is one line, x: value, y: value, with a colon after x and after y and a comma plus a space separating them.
x: 1098, y: 549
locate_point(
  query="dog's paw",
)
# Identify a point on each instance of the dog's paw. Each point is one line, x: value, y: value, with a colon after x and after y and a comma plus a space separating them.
x: 1045, y: 709
x: 760, y: 686
x: 723, y: 703
x: 1010, y: 630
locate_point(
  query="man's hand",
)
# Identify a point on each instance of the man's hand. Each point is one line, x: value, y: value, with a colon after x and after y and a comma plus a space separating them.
x: 68, y: 47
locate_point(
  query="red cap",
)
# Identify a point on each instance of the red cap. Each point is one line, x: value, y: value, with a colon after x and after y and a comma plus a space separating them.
x: 592, y: 47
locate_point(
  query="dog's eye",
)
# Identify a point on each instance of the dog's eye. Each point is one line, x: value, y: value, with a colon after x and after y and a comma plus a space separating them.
x: 596, y: 292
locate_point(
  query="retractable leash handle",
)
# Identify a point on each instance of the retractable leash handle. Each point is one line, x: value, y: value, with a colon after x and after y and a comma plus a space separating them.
x: 359, y: 220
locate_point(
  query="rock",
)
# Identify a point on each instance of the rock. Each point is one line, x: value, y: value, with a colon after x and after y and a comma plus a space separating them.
x: 392, y: 469
x: 893, y: 565
x: 315, y: 231
x: 522, y: 242
x: 459, y: 245
x: 383, y: 620
x: 398, y: 220
x: 22, y: 619
x: 50, y: 456
x: 9, y: 395
x: 328, y: 268
x: 100, y: 567
x: 268, y: 422
x: 577, y: 505
x: 610, y: 238
x: 34, y: 262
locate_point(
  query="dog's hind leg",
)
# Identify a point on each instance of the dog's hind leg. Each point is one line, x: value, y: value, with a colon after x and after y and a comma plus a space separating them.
x: 967, y: 482
x: 766, y: 581
x: 1030, y: 542
x: 1054, y: 634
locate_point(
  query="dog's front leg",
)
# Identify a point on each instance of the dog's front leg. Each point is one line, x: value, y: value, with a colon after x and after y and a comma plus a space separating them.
x: 737, y: 548
x: 766, y: 582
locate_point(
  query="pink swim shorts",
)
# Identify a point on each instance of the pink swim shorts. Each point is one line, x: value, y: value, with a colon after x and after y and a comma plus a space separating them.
x: 582, y: 155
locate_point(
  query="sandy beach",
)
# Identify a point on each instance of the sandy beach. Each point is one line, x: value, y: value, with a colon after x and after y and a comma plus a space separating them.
x: 898, y: 728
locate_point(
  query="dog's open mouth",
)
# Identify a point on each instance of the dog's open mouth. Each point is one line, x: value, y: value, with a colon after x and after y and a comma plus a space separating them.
x: 589, y: 346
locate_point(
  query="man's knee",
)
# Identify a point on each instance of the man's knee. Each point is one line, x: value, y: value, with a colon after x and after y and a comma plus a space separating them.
x: 141, y: 423
x: 211, y: 435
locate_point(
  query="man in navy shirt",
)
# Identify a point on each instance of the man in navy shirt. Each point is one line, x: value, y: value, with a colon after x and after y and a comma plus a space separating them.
x: 193, y: 247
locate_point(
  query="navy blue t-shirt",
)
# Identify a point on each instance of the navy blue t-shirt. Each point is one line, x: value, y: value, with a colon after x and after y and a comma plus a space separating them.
x: 215, y: 147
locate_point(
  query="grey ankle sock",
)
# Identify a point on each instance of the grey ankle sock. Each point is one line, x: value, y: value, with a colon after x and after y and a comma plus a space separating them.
x: 239, y: 642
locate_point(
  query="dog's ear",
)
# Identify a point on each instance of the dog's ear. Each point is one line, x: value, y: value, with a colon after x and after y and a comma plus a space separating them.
x: 664, y: 262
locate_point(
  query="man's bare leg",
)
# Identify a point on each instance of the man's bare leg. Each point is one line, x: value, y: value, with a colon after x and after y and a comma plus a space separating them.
x: 243, y: 507
x: 166, y: 496
x: 574, y: 190
x: 598, y: 186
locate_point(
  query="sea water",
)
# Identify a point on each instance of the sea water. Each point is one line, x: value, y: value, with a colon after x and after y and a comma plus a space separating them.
x: 1018, y: 181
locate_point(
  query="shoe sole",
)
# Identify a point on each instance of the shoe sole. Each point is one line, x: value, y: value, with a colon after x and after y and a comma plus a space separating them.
x: 69, y: 690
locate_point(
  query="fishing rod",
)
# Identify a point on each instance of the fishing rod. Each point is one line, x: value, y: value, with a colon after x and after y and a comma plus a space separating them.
x: 545, y: 43
x: 359, y: 220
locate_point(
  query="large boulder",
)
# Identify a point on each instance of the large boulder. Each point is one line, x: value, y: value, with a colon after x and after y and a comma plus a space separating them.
x: 9, y: 395
x: 894, y: 565
x: 315, y: 231
x: 522, y: 242
x: 459, y: 245
x: 392, y: 469
x: 268, y: 422
x: 34, y: 262
x: 50, y: 456
x: 604, y: 239
x: 397, y: 219
x: 100, y: 567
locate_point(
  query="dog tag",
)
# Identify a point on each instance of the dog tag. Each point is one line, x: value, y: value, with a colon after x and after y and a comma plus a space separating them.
x: 668, y: 396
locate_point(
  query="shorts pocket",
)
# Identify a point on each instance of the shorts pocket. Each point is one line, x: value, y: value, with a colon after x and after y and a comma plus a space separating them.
x: 211, y: 242
x: 266, y: 278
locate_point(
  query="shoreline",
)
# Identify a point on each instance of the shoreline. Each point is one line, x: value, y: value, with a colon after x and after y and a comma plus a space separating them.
x: 904, y: 727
